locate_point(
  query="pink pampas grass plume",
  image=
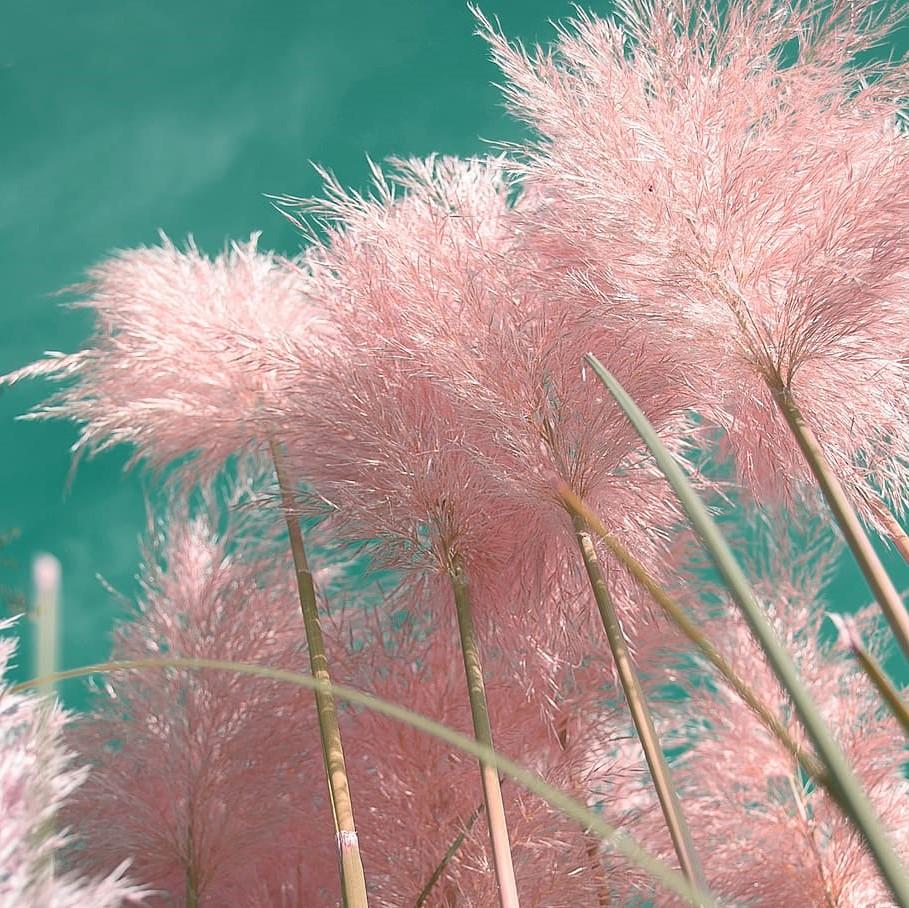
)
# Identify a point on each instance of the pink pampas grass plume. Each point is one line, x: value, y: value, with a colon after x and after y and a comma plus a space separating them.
x: 209, y: 782
x: 773, y: 836
x: 37, y: 779
x: 456, y: 400
x: 165, y: 370
x: 751, y: 204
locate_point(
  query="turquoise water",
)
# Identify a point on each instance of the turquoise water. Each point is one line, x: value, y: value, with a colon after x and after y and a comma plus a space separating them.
x: 123, y: 118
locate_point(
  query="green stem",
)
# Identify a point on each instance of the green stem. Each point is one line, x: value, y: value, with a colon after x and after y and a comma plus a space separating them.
x: 353, y: 880
x: 479, y: 710
x: 640, y: 711
x: 809, y: 762
x: 853, y: 532
x: 853, y: 799
x: 558, y: 800
x: 874, y: 671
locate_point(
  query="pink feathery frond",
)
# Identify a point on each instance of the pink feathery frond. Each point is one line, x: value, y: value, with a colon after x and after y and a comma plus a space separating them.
x: 208, y: 781
x: 736, y: 181
x: 454, y: 401
x: 774, y: 837
x: 165, y: 370
x: 37, y: 780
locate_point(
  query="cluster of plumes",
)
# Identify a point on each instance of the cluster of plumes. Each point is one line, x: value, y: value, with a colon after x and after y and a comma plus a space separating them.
x: 414, y: 795
x: 716, y: 206
x: 769, y: 835
x: 453, y: 404
x: 223, y: 780
x: 211, y: 783
x: 731, y: 177
x: 37, y: 780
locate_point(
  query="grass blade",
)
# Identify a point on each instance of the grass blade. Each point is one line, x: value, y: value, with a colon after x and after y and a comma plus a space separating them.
x: 588, y: 819
x: 852, y: 798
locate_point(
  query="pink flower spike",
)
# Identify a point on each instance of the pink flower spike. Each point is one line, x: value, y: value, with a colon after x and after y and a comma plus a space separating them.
x: 211, y: 783
x: 746, y: 209
x: 166, y: 369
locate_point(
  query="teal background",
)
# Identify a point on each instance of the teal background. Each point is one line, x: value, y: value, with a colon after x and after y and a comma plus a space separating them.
x: 123, y: 118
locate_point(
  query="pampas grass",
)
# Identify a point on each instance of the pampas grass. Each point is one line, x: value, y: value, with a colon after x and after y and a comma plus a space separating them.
x: 478, y: 402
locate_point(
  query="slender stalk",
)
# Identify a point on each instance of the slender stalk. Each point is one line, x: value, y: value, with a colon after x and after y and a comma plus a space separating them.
x: 46, y: 615
x: 451, y: 851
x: 640, y: 711
x: 898, y: 536
x: 809, y: 762
x: 850, y: 637
x: 570, y: 807
x: 854, y: 533
x: 353, y: 880
x: 492, y: 791
x: 853, y: 799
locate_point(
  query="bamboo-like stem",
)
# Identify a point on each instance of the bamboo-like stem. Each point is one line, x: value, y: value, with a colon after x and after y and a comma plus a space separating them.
x: 450, y: 852
x: 854, y: 533
x: 854, y: 801
x: 353, y: 880
x: 873, y: 669
x: 570, y: 807
x: 809, y: 762
x: 640, y: 711
x: 479, y: 710
x: 898, y: 536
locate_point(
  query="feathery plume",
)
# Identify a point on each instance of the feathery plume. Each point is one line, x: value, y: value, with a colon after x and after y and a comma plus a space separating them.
x: 460, y: 402
x: 37, y: 778
x: 735, y: 180
x: 165, y: 370
x: 208, y: 781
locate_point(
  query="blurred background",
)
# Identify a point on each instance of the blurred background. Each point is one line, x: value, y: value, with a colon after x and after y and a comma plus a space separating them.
x: 126, y: 117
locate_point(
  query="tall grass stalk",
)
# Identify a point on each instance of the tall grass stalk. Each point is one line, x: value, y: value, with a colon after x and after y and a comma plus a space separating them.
x: 353, y: 879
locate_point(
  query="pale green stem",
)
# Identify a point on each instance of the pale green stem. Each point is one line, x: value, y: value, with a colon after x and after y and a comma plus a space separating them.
x: 559, y: 800
x: 853, y: 532
x: 492, y: 790
x: 353, y: 880
x: 853, y: 799
x: 809, y: 762
x: 46, y: 616
x: 640, y: 712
